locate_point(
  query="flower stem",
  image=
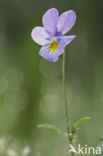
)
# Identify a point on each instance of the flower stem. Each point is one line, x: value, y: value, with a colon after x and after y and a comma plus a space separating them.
x: 64, y: 89
x: 65, y: 99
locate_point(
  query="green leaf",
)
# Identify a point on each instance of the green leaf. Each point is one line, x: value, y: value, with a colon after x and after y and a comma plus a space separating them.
x: 77, y: 124
x: 51, y: 127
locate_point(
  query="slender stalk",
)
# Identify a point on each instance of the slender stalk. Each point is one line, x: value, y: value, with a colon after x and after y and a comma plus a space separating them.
x: 65, y: 98
x: 72, y: 153
x: 64, y: 89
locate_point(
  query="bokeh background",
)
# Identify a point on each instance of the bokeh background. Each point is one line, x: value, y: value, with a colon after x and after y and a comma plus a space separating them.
x: 31, y: 87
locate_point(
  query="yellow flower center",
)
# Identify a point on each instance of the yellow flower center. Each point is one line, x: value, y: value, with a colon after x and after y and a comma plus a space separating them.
x: 53, y: 46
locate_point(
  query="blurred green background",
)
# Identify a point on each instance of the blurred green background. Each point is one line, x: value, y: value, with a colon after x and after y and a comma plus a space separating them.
x: 31, y: 88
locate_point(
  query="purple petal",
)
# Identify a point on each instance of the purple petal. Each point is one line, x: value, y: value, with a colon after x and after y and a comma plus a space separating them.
x: 66, y: 21
x: 65, y: 40
x: 50, y: 20
x: 51, y: 56
x: 39, y: 35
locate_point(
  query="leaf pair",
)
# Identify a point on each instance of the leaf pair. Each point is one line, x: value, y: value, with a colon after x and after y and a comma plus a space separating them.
x: 72, y: 128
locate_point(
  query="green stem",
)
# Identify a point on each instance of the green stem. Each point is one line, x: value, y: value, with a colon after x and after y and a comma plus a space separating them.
x: 65, y: 99
x: 64, y: 89
x: 72, y: 153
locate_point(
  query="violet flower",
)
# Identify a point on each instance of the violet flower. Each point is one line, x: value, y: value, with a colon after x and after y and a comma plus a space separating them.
x: 51, y: 36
